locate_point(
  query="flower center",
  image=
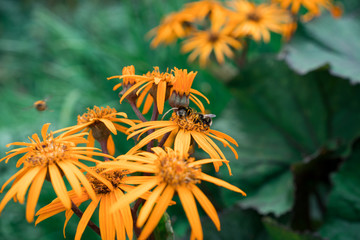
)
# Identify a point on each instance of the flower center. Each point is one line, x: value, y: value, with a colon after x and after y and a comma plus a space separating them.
x: 253, y: 16
x: 159, y: 76
x: 174, y: 169
x: 213, y: 37
x: 48, y: 152
x: 95, y: 113
x: 113, y: 176
x: 191, y: 122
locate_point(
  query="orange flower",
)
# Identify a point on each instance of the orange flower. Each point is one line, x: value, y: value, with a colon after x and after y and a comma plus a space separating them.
x: 188, y: 125
x: 257, y: 21
x: 154, y: 82
x: 215, y: 10
x: 111, y: 223
x: 99, y: 122
x: 181, y: 91
x: 157, y: 85
x: 217, y: 39
x: 174, y: 26
x: 50, y: 158
x: 174, y: 171
x: 313, y: 6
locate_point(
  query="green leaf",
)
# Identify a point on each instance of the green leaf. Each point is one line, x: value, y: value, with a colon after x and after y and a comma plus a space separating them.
x: 327, y: 42
x: 344, y: 201
x: 280, y: 232
x: 164, y: 229
x: 236, y: 223
x: 280, y: 118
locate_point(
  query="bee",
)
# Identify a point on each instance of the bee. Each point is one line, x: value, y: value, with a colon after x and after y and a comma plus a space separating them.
x: 206, y: 119
x: 40, y: 105
x: 184, y: 112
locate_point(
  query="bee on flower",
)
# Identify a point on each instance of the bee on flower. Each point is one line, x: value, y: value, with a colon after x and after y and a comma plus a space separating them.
x: 187, y: 126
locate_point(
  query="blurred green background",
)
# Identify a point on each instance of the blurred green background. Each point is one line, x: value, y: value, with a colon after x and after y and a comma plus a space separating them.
x: 293, y: 108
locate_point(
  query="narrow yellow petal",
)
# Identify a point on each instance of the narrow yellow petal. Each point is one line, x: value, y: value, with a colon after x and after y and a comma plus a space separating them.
x: 14, y: 188
x: 44, y: 130
x: 27, y: 178
x: 109, y: 125
x: 34, y: 194
x: 59, y: 185
x: 221, y: 183
x: 85, y: 218
x: 126, y: 214
x: 12, y: 178
x: 147, y: 105
x: 206, y: 205
x: 160, y: 96
x: 157, y: 213
x: 103, y: 223
x: 134, y: 194
x: 118, y: 220
x: 111, y: 145
x: 149, y: 204
x: 182, y: 141
x: 189, y: 205
x: 71, y: 177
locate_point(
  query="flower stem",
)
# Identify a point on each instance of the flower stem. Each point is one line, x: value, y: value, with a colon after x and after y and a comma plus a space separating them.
x: 243, y: 58
x: 137, y: 111
x: 103, y: 144
x: 154, y: 117
x: 79, y: 213
x: 163, y: 139
x: 134, y: 211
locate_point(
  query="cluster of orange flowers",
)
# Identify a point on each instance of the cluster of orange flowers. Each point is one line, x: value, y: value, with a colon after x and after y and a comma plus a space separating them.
x: 212, y: 27
x: 141, y: 177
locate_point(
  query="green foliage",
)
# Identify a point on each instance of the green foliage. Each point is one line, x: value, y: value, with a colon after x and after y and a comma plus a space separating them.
x: 344, y: 200
x: 279, y: 232
x: 280, y: 118
x: 236, y: 223
x: 327, y: 42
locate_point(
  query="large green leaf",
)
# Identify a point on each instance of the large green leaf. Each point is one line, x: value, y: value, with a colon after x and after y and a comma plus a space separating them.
x: 280, y: 232
x: 327, y: 42
x: 280, y: 118
x: 236, y: 223
x: 344, y: 201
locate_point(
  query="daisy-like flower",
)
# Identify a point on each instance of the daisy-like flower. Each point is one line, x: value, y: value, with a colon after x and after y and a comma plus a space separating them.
x: 257, y: 21
x: 215, y: 10
x: 156, y: 86
x: 175, y: 25
x: 100, y: 122
x: 112, y: 223
x: 187, y: 126
x: 174, y: 172
x: 153, y: 84
x: 49, y: 159
x: 181, y: 91
x: 217, y: 39
x: 313, y: 6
